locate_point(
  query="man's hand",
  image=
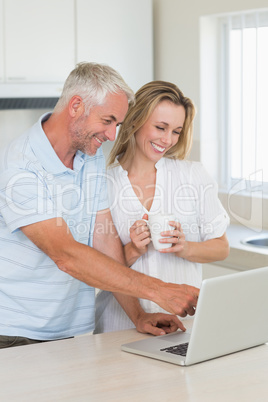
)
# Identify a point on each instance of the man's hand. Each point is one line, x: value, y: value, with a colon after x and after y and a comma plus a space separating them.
x: 177, y: 299
x: 158, y: 323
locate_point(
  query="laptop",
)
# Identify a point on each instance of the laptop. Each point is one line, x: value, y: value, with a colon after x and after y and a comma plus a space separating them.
x: 231, y: 315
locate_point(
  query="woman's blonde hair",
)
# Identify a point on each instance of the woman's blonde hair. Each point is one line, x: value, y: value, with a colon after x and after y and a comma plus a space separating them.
x: 146, y: 99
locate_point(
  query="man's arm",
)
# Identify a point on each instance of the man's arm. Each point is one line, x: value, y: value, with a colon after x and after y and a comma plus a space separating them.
x: 107, y: 241
x: 96, y: 269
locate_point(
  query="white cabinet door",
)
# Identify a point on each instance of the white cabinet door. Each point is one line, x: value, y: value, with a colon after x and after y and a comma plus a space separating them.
x: 40, y: 40
x: 118, y: 33
x: 1, y: 41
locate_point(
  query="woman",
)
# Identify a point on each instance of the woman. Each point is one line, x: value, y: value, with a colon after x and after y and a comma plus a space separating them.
x: 148, y: 173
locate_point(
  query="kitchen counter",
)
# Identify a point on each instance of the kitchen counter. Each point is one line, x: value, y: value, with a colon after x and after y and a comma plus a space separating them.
x: 243, y: 257
x: 93, y: 368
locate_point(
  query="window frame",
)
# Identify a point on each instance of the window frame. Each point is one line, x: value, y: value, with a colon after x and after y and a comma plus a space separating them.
x: 255, y: 181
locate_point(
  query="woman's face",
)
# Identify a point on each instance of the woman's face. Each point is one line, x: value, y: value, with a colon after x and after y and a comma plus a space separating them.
x: 160, y: 132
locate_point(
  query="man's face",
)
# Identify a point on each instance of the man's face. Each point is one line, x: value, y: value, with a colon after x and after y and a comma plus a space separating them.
x: 89, y: 132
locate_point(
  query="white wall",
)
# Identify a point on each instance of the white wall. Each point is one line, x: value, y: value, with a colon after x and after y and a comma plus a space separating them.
x: 15, y: 122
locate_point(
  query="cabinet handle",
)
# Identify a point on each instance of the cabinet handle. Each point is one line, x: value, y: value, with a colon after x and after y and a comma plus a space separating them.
x: 16, y: 78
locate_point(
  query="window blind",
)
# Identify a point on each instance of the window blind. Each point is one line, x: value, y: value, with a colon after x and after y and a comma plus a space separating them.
x: 245, y: 59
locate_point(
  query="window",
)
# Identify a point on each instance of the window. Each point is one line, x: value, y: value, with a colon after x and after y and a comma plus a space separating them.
x: 244, y: 98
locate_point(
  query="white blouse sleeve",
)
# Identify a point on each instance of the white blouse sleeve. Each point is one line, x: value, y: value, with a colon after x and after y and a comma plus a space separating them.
x: 213, y: 219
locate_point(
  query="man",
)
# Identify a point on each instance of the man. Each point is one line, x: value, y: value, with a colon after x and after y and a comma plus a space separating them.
x: 57, y: 240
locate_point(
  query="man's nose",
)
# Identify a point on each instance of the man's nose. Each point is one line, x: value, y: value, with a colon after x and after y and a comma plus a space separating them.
x: 111, y: 132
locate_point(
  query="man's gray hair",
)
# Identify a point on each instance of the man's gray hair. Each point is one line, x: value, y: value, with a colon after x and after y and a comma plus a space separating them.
x: 92, y: 82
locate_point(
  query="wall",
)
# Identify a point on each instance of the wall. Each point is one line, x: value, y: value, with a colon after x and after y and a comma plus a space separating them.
x: 15, y: 122
x: 177, y: 59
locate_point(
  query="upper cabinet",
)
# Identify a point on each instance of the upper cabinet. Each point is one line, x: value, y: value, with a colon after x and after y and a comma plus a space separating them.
x: 39, y: 40
x: 118, y: 33
x: 42, y: 40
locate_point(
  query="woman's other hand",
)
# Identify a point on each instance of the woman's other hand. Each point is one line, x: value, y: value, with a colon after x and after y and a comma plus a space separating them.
x: 140, y: 235
x: 177, y: 238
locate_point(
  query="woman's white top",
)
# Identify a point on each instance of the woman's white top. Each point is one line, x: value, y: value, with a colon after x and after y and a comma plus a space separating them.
x: 184, y: 189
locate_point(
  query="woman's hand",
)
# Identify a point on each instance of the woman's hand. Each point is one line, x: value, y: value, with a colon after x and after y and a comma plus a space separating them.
x: 140, y: 235
x: 177, y: 238
x: 215, y: 249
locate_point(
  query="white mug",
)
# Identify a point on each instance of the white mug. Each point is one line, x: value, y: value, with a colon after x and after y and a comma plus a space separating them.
x: 160, y: 223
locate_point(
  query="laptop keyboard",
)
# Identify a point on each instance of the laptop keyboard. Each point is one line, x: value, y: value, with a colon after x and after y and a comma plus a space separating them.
x: 177, y: 349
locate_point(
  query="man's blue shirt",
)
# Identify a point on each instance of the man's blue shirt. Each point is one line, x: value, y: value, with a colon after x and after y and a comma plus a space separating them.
x: 37, y: 300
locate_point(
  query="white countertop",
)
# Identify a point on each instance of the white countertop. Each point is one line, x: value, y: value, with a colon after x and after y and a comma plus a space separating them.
x: 244, y: 256
x: 236, y: 233
x: 93, y: 368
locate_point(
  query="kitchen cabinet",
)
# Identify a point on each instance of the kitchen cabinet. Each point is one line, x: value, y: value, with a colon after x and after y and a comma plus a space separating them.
x: 39, y: 40
x: 42, y: 40
x: 118, y: 33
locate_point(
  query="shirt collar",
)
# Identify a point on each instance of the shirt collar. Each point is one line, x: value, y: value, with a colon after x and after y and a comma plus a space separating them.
x: 158, y: 165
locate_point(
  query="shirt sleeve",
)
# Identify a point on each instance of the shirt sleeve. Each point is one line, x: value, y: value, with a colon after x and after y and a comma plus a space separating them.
x: 24, y: 199
x: 213, y: 219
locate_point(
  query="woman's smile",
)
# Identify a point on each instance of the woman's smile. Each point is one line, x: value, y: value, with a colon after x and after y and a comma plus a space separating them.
x: 158, y: 148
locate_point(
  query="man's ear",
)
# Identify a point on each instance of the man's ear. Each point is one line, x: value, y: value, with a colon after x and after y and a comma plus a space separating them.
x: 76, y: 106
